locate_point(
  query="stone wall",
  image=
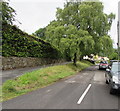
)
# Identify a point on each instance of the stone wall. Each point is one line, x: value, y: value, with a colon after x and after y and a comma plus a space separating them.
x: 21, y: 62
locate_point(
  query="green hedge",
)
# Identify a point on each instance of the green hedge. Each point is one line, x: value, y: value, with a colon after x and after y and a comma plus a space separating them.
x: 20, y: 44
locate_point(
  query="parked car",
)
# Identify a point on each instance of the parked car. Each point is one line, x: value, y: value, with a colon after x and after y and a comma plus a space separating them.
x: 103, y: 65
x: 112, y: 76
x: 111, y: 62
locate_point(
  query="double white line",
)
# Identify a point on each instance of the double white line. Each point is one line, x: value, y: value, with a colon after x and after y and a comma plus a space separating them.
x: 84, y: 94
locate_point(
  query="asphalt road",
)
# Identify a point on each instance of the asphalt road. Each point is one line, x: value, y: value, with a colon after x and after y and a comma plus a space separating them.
x: 85, y: 90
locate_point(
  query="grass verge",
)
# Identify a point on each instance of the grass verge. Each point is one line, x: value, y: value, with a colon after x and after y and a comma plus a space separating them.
x: 39, y: 78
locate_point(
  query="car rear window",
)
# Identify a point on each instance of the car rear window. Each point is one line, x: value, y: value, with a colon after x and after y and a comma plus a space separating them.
x: 104, y: 62
x: 115, y: 67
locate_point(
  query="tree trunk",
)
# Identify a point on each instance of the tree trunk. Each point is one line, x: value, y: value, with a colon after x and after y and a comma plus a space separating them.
x: 75, y: 59
x: 81, y: 57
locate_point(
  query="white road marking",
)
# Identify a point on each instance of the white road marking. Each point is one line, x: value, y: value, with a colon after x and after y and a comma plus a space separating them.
x: 70, y: 81
x: 83, y: 95
x: 85, y: 74
x: 48, y: 90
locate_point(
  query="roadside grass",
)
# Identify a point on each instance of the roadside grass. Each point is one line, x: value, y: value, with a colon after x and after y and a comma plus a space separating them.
x: 39, y: 78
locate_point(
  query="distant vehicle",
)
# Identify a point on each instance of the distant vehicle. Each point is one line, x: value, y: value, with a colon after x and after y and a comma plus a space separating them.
x: 103, y: 65
x: 113, y: 77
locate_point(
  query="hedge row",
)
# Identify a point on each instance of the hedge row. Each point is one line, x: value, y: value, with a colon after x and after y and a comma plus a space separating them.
x: 18, y: 43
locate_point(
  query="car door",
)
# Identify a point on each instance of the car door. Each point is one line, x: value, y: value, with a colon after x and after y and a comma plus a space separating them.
x: 110, y: 76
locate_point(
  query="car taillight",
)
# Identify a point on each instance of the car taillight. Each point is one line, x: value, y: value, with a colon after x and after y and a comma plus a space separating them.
x: 103, y: 64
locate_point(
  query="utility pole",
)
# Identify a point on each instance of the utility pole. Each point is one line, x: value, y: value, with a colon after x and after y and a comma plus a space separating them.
x: 118, y: 28
x: 118, y: 44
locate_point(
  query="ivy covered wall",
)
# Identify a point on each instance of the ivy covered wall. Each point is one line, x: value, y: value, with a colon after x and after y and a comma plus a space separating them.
x: 19, y: 44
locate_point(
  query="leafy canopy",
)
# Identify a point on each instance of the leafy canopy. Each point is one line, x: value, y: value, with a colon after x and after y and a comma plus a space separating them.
x: 81, y: 28
x: 8, y: 13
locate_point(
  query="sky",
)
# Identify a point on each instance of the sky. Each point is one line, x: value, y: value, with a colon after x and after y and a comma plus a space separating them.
x: 35, y: 14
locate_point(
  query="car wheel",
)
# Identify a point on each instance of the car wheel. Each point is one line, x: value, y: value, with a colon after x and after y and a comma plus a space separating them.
x: 107, y: 81
x: 112, y: 91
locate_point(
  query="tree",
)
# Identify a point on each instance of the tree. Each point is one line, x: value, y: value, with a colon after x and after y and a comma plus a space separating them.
x: 114, y: 55
x: 8, y: 13
x: 87, y: 16
x: 105, y: 45
x: 95, y: 21
x: 80, y: 28
x: 40, y: 33
x: 69, y: 39
x: 70, y: 14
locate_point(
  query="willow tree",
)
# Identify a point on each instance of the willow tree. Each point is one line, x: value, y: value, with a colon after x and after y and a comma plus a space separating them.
x: 105, y: 46
x: 69, y: 39
x: 95, y: 21
x: 87, y: 16
x: 40, y: 33
x: 54, y: 33
x: 77, y: 38
x: 80, y: 29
